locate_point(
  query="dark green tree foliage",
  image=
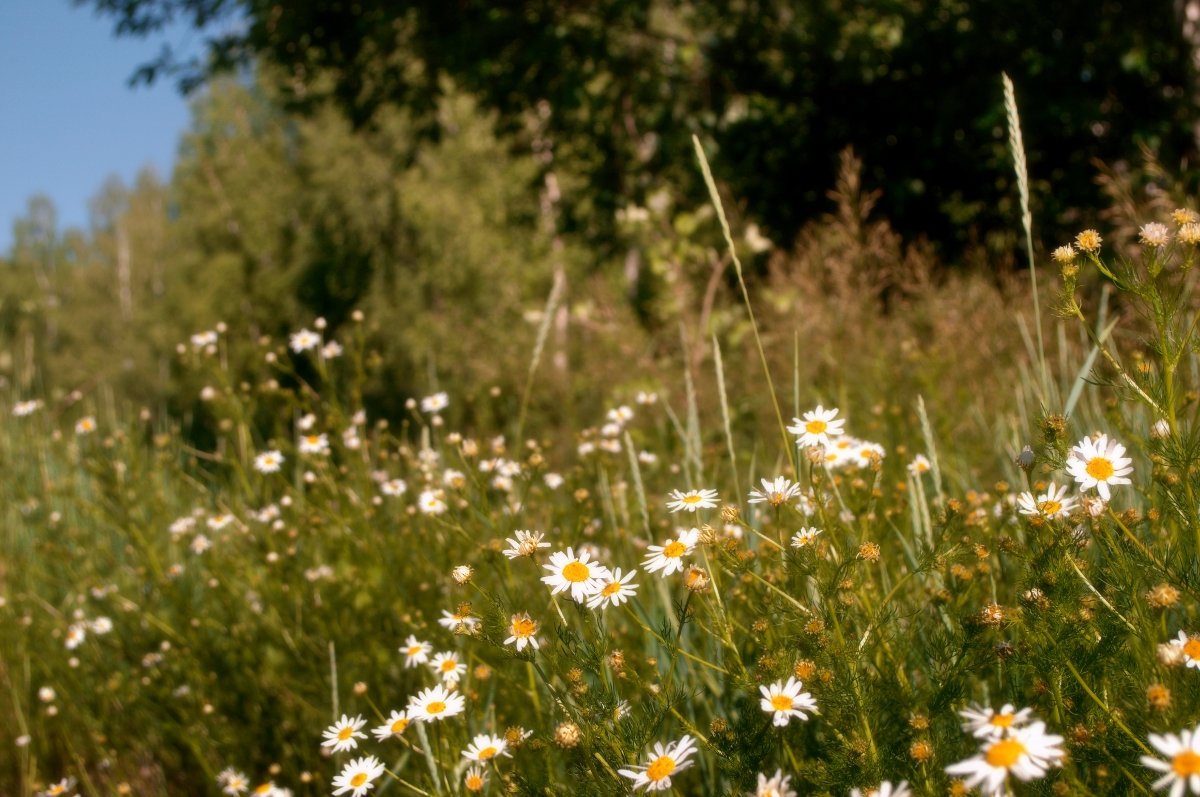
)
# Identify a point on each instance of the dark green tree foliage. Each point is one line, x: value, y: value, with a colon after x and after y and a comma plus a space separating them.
x: 781, y: 87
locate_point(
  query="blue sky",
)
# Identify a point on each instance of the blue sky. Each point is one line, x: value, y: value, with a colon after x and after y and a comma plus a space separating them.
x: 68, y: 118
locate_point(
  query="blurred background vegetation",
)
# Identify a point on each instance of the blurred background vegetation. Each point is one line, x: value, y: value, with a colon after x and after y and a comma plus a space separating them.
x: 440, y: 165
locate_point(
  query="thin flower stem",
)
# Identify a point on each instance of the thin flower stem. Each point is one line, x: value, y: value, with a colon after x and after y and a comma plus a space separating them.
x: 1117, y: 720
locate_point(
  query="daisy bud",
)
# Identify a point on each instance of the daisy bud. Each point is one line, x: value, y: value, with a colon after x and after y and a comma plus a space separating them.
x: 462, y: 574
x: 567, y: 735
x: 1161, y: 429
x: 1025, y: 459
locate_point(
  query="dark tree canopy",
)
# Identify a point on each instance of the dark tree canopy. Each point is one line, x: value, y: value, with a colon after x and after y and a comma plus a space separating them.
x: 777, y: 88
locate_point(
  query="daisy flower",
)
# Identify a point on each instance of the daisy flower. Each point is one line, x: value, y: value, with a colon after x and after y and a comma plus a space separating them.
x: 920, y: 465
x: 314, y: 444
x: 56, y: 789
x: 525, y: 543
x: 435, y: 403
x: 522, y: 630
x: 397, y: 723
x: 1181, y: 770
x: 664, y: 762
x: 692, y: 500
x: 232, y: 782
x: 1188, y: 648
x: 85, y: 425
x: 268, y: 462
x: 432, y: 502
x: 484, y: 748
x: 775, y: 493
x: 865, y: 453
x: 75, y: 636
x: 433, y: 704
x: 987, y: 723
x: 415, y: 651
x: 304, y: 340
x: 393, y: 487
x: 460, y: 621
x: 344, y: 734
x: 1051, y: 504
x: 668, y: 557
x: 578, y: 574
x: 616, y: 589
x: 1099, y: 463
x: 268, y: 789
x: 25, y: 408
x: 475, y: 779
x: 358, y: 776
x: 885, y: 789
x: 817, y: 427
x: 1025, y: 753
x: 448, y: 667
x: 786, y: 701
x: 805, y: 536
x: 778, y: 785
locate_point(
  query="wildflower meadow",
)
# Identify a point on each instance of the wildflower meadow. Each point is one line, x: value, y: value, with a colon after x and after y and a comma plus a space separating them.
x: 933, y: 573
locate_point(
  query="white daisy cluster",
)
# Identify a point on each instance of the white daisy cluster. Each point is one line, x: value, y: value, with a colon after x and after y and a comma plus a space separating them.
x: 587, y: 580
x: 1011, y: 744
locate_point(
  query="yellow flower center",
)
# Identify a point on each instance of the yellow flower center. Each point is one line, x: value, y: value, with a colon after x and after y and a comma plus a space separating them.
x: 691, y: 499
x: 815, y: 427
x: 575, y: 572
x: 775, y: 498
x: 56, y: 789
x: 345, y: 733
x: 1049, y: 507
x: 474, y: 782
x: 1003, y: 720
x: 524, y: 627
x: 449, y: 665
x: 264, y: 788
x: 1191, y: 648
x: 415, y: 650
x: 1186, y: 764
x: 660, y: 768
x: 436, y: 707
x: 1004, y: 753
x: 312, y: 439
x: 399, y: 726
x: 487, y: 752
x: 674, y: 550
x: 358, y: 779
x: 782, y: 703
x: 1100, y: 469
x: 611, y: 589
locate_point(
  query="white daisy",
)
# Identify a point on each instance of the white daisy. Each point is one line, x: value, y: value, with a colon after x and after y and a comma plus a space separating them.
x: 785, y: 701
x: 988, y: 723
x: 668, y: 557
x: 358, y: 776
x: 232, y: 782
x: 865, y: 453
x: 885, y: 789
x: 484, y: 748
x: 817, y: 427
x: 475, y: 779
x: 58, y: 789
x: 25, y: 408
x: 460, y: 622
x: 1187, y: 649
x: 397, y: 722
x: 1051, y: 504
x: 524, y: 543
x: 616, y: 588
x: 692, y: 500
x: 1181, y: 770
x: 393, y: 487
x: 435, y: 403
x: 415, y: 651
x: 434, y: 704
x: 85, y: 425
x: 776, y: 492
x: 778, y: 785
x: 1099, y: 463
x: 1026, y: 753
x: 75, y: 636
x: 304, y: 340
x: 578, y: 574
x: 432, y: 502
x: 663, y: 763
x: 268, y: 462
x: 920, y: 465
x: 522, y: 630
x: 344, y: 734
x: 448, y: 667
x: 314, y: 444
x: 805, y: 536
